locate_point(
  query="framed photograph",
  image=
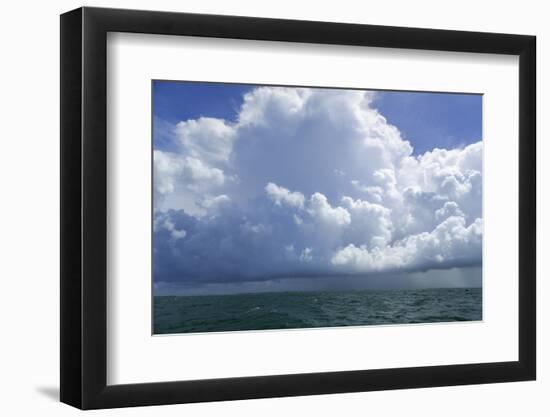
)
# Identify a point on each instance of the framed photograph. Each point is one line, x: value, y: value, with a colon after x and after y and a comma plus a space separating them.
x: 257, y: 208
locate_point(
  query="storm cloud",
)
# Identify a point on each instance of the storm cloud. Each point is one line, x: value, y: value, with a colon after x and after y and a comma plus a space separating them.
x: 309, y: 182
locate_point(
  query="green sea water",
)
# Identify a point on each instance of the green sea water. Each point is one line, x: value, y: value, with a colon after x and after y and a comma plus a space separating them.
x: 293, y: 310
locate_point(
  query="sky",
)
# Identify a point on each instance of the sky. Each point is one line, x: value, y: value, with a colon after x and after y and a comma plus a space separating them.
x: 265, y: 188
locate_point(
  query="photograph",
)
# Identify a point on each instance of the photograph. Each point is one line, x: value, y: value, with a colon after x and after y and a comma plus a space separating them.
x: 267, y: 205
x: 291, y: 207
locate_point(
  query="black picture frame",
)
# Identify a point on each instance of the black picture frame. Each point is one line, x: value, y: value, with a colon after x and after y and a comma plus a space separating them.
x: 84, y: 207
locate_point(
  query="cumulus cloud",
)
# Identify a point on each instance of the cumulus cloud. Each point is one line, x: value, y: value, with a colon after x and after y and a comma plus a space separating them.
x: 207, y: 139
x: 320, y: 209
x: 450, y: 243
x: 167, y: 224
x: 172, y: 171
x: 281, y: 195
x: 306, y: 182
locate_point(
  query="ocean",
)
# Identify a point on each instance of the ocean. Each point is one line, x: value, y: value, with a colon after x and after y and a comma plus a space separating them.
x: 293, y: 310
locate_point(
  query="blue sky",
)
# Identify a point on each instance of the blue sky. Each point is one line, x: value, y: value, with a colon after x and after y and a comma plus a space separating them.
x: 427, y: 120
x: 258, y: 185
x: 431, y: 120
x: 176, y: 101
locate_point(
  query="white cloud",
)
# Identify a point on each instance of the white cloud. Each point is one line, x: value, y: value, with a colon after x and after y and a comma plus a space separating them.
x: 451, y: 243
x: 320, y: 209
x: 207, y: 139
x: 450, y: 208
x: 372, y: 224
x: 167, y: 224
x: 172, y: 171
x: 306, y: 255
x: 215, y: 203
x: 323, y: 173
x: 281, y: 195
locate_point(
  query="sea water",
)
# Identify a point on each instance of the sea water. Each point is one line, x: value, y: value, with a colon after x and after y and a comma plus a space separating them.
x: 293, y: 310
